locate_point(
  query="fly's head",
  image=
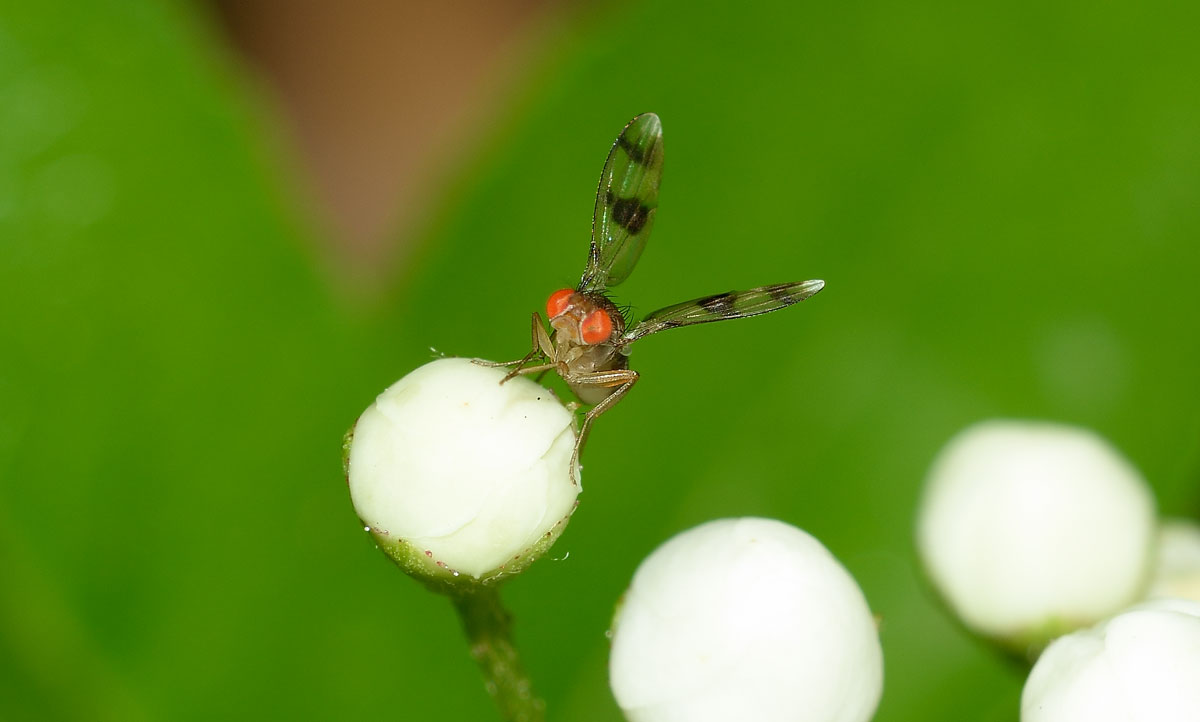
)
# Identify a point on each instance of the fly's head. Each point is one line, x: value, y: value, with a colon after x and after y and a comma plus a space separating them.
x: 584, y: 319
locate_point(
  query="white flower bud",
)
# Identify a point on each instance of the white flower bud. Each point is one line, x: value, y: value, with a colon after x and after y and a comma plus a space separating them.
x: 1177, y: 567
x: 454, y: 473
x: 1030, y: 530
x: 1141, y: 666
x: 745, y: 619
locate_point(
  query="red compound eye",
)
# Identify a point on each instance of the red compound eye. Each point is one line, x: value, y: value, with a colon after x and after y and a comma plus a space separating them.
x: 596, y: 327
x: 557, y: 303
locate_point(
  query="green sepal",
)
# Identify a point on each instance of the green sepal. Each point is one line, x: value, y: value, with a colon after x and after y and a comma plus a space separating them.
x: 420, y: 564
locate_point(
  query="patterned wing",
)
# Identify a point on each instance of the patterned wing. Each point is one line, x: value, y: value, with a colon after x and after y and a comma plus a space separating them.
x: 723, y: 306
x: 625, y: 203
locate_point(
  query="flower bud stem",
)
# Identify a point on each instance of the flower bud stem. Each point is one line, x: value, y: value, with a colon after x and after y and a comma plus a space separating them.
x: 489, y: 630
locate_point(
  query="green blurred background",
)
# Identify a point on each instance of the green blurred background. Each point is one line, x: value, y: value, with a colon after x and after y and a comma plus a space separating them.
x: 1002, y: 198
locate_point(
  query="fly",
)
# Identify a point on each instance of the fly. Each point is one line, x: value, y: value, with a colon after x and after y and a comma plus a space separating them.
x: 590, y: 339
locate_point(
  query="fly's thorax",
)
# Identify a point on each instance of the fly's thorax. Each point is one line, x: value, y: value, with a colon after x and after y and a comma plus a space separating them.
x: 585, y: 319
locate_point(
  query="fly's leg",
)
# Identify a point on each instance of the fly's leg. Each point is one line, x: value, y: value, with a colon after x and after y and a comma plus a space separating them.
x: 539, y: 369
x: 537, y: 332
x: 623, y: 379
x: 541, y: 345
x: 501, y: 364
x: 541, y: 339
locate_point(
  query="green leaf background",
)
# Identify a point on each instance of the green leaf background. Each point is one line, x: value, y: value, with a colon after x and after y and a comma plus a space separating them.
x: 1002, y: 198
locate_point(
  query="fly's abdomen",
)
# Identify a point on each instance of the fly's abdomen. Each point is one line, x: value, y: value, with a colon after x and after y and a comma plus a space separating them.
x: 592, y: 394
x: 594, y: 360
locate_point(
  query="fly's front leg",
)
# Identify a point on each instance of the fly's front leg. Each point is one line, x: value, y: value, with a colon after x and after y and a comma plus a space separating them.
x: 541, y: 345
x: 541, y: 339
x: 622, y: 379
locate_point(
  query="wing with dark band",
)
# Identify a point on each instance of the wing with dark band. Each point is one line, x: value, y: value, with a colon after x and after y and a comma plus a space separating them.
x: 724, y: 306
x: 625, y: 203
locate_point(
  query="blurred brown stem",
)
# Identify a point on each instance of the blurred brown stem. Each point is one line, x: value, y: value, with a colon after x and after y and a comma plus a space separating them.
x: 489, y: 631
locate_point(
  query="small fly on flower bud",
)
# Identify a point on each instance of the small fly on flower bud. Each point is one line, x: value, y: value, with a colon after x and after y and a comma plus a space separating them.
x: 589, y: 341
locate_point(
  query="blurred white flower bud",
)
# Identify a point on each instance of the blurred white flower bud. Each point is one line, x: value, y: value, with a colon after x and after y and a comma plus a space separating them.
x: 1141, y: 666
x: 1177, y: 565
x: 455, y: 474
x: 745, y: 619
x: 1030, y: 530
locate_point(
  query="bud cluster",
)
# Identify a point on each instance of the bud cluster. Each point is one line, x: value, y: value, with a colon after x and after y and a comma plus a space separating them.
x: 1040, y: 534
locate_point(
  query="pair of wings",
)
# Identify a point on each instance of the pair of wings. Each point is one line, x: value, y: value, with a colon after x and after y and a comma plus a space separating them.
x: 626, y: 202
